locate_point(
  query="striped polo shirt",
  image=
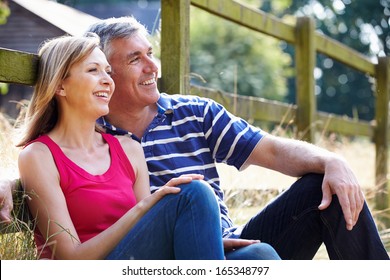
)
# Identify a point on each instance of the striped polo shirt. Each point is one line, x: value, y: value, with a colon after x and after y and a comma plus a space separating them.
x: 189, y: 135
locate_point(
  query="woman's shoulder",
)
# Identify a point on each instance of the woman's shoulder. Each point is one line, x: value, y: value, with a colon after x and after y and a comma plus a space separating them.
x: 35, y: 149
x: 35, y: 157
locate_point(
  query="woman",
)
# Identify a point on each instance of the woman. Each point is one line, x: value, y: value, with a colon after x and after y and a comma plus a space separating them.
x: 89, y: 191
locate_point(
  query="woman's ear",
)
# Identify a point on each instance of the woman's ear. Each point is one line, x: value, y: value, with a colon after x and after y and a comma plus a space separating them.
x: 60, y: 90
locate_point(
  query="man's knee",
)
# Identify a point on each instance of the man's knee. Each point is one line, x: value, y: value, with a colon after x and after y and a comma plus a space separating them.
x: 313, y: 179
x: 310, y: 182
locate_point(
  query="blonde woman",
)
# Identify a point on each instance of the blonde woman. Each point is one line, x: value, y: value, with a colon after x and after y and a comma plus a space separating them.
x: 89, y: 191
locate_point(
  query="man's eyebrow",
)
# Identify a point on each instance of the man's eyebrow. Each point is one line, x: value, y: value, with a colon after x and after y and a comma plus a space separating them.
x: 132, y: 54
x: 135, y: 53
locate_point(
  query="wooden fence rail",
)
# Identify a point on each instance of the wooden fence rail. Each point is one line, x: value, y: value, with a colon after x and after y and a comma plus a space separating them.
x: 18, y: 67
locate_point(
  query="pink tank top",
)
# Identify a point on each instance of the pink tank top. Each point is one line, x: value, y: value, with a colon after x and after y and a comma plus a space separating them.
x: 94, y: 202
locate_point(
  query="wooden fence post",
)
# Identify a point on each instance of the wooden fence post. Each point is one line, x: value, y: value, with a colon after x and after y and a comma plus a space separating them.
x: 175, y: 54
x: 305, y: 59
x: 381, y: 136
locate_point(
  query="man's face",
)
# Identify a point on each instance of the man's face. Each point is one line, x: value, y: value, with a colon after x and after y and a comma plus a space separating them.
x: 134, y: 71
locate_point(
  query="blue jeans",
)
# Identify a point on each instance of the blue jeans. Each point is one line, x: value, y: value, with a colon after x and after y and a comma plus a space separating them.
x: 257, y: 251
x: 294, y: 226
x: 180, y: 226
x: 184, y: 226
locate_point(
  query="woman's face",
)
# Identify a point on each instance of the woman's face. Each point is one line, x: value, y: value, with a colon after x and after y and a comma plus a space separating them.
x: 89, y: 86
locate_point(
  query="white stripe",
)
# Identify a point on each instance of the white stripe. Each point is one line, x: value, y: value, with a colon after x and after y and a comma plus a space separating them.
x: 233, y: 146
x: 219, y: 140
x: 183, y: 169
x: 190, y: 103
x: 196, y: 153
x: 171, y: 140
x: 179, y: 122
x: 214, y: 121
x: 210, y: 182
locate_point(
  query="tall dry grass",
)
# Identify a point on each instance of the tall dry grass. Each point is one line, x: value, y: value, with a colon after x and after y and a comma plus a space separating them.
x: 18, y: 244
x: 246, y: 191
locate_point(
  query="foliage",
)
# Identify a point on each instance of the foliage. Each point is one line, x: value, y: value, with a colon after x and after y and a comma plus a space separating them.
x: 236, y: 59
x: 362, y: 25
x: 4, y: 12
x: 3, y: 88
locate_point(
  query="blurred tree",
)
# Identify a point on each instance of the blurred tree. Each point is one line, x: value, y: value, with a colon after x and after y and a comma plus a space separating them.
x: 236, y: 59
x: 4, y: 12
x: 360, y: 24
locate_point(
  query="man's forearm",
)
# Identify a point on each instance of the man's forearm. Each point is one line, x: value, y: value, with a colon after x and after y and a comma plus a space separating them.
x: 291, y: 157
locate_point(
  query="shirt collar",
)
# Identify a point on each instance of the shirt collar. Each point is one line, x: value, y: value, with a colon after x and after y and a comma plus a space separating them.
x: 164, y: 104
x: 111, y: 129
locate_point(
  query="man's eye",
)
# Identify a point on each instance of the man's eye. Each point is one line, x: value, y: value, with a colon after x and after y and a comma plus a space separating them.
x: 134, y: 60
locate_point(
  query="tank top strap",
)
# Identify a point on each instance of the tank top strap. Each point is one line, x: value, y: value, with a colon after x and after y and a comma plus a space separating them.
x: 59, y: 157
x: 116, y: 148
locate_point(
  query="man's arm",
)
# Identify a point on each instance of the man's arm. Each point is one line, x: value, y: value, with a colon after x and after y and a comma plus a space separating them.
x: 7, y: 188
x: 296, y: 158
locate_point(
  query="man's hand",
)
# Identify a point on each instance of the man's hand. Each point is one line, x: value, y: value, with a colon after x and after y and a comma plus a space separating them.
x: 340, y: 180
x: 230, y: 244
x: 6, y: 203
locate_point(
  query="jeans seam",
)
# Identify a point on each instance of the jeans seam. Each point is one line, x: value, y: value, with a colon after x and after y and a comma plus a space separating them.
x: 332, y: 236
x: 295, y: 219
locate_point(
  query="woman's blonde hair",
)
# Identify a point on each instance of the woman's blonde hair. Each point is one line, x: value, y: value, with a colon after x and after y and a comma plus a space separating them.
x: 56, y: 57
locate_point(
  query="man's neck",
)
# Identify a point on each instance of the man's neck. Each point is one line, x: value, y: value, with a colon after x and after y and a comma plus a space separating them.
x: 134, y: 122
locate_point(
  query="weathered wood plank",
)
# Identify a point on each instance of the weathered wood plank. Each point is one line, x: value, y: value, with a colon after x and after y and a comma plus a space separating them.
x: 270, y: 25
x: 259, y: 109
x: 18, y: 67
x: 175, y: 56
x: 249, y: 17
x: 305, y: 60
x: 344, y: 125
x: 344, y: 54
x: 381, y: 139
x: 250, y: 108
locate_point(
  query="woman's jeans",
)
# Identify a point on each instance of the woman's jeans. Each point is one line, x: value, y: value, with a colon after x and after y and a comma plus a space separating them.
x: 180, y: 226
x: 294, y: 226
x: 186, y: 225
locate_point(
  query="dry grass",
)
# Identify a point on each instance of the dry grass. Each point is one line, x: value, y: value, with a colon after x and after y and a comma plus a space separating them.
x: 20, y: 245
x: 246, y: 192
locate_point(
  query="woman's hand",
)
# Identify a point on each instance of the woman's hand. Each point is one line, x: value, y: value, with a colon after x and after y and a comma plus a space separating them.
x: 6, y: 203
x: 169, y: 188
x: 184, y: 179
x: 230, y: 244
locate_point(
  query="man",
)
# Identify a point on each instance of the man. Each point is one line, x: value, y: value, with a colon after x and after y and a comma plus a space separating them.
x: 186, y: 134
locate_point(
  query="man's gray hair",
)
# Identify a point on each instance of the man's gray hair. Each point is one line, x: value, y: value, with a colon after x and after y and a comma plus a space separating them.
x: 114, y: 28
